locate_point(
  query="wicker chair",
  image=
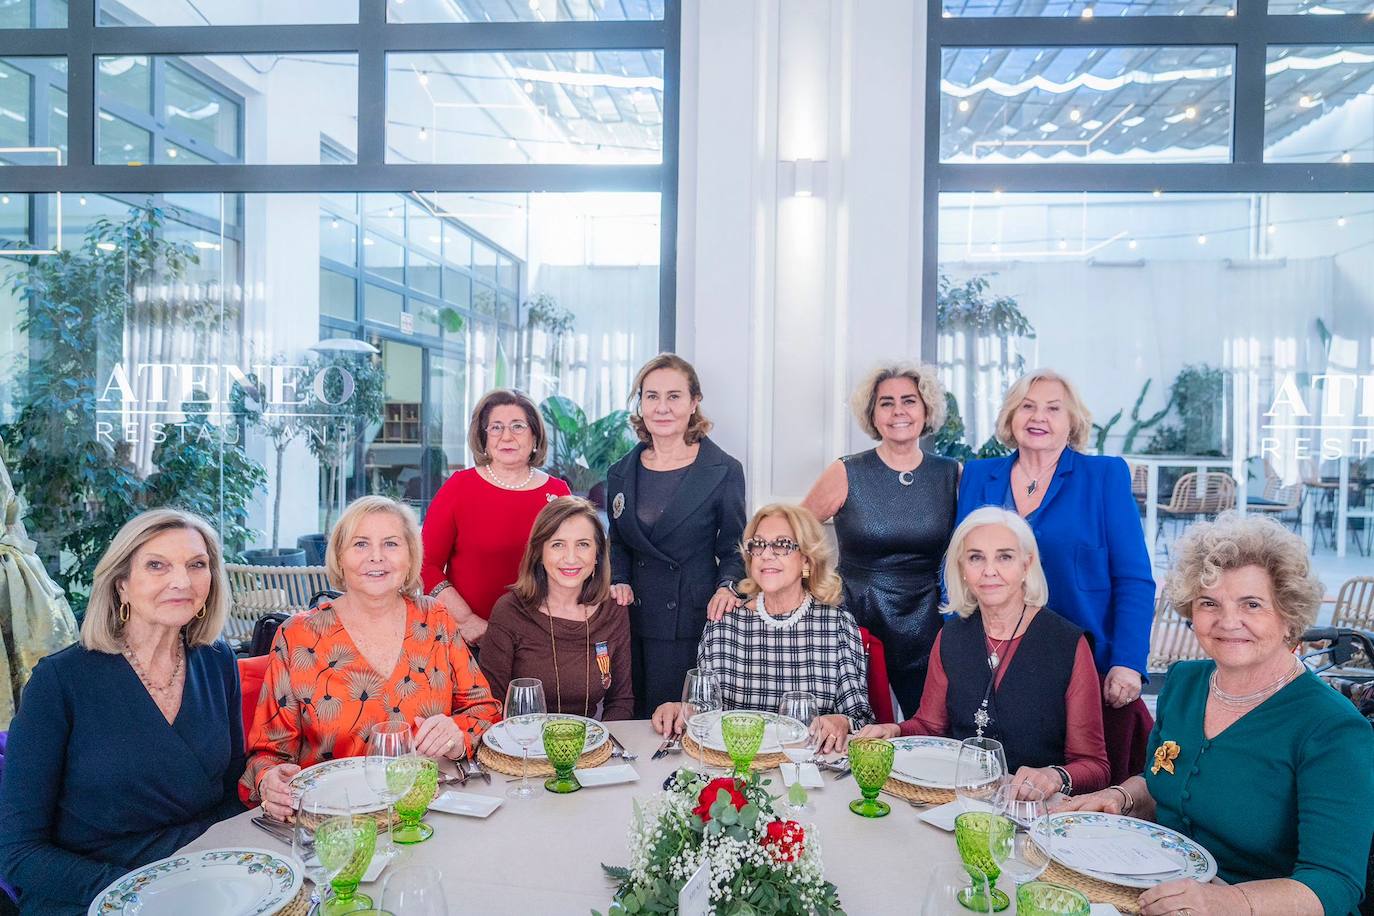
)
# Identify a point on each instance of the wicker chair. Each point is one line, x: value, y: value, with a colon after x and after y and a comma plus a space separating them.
x: 1355, y: 604
x: 1171, y: 639
x: 1140, y: 483
x: 1284, y: 503
x: 1185, y: 503
x: 258, y: 590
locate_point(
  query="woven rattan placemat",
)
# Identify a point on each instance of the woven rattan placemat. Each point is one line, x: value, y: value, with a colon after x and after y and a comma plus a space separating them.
x: 720, y: 759
x: 504, y: 763
x: 1125, y: 899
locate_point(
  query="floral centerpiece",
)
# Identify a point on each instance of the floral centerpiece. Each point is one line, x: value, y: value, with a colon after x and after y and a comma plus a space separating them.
x: 760, y: 863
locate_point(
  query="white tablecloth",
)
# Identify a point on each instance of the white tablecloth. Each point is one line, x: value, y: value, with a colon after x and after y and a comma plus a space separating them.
x: 543, y: 855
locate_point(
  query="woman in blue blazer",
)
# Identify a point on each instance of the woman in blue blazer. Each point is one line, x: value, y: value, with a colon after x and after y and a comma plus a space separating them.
x: 1084, y: 518
x: 676, y: 521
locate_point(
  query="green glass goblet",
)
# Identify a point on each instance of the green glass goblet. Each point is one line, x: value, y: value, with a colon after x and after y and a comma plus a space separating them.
x: 563, y: 743
x: 344, y: 845
x: 870, y: 759
x: 1040, y: 898
x: 422, y: 775
x: 743, y: 734
x: 973, y: 832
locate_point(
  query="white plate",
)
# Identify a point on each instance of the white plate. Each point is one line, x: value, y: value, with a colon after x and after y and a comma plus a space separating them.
x: 468, y: 803
x: 925, y: 760
x: 716, y: 741
x: 606, y: 776
x: 498, y: 738
x: 1193, y: 860
x: 347, y: 774
x: 212, y: 882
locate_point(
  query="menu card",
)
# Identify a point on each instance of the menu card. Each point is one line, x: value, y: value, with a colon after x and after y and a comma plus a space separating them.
x: 1118, y: 855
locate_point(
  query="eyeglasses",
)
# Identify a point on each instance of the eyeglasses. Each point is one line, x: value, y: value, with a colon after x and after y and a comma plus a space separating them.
x: 518, y: 428
x: 781, y: 547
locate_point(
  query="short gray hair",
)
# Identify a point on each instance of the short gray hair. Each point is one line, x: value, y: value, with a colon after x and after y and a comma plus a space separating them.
x: 101, y: 628
x: 1208, y: 549
x: 962, y: 600
x: 864, y: 400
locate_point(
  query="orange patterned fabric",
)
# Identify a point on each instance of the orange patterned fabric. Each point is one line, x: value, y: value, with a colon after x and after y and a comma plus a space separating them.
x: 321, y: 698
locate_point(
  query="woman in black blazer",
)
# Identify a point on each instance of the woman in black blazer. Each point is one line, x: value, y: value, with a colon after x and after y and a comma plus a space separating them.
x: 676, y: 520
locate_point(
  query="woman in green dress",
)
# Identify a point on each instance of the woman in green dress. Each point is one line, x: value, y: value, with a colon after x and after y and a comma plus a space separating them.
x: 1252, y: 755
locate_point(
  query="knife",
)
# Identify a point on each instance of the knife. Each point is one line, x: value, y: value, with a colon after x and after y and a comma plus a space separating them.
x: 619, y: 750
x: 279, y: 831
x: 668, y: 746
x: 475, y: 768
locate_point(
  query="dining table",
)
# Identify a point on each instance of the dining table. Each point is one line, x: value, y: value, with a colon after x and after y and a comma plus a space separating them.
x: 543, y: 855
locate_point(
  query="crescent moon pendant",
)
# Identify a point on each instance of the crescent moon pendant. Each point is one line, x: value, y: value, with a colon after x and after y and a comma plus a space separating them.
x: 907, y: 478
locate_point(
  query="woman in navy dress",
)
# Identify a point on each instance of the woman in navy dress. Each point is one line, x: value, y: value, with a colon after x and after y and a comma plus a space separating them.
x: 127, y: 745
x: 894, y: 508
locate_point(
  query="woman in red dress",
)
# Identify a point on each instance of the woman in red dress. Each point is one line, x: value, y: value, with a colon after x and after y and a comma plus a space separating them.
x: 479, y: 522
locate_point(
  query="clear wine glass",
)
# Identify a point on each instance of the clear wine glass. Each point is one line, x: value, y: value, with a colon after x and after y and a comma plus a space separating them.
x: 979, y: 771
x: 416, y: 890
x: 313, y: 809
x: 525, y: 712
x: 944, y: 884
x: 798, y: 710
x: 389, y: 741
x: 700, y: 695
x: 1022, y: 846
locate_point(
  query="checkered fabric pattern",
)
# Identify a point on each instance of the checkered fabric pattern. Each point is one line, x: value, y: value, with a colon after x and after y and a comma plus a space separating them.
x: 820, y: 654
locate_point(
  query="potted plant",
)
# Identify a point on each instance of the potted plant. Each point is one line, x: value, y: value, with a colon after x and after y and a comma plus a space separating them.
x: 336, y: 422
x: 279, y: 427
x: 581, y: 452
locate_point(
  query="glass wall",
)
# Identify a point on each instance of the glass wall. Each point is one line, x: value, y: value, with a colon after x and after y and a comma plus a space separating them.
x: 1216, y: 310
x: 262, y: 357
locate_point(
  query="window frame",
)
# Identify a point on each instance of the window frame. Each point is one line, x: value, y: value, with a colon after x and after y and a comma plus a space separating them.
x: 1251, y: 31
x: 372, y: 37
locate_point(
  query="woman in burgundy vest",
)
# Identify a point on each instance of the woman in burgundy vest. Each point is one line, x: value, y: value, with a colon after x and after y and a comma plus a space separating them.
x: 1007, y: 667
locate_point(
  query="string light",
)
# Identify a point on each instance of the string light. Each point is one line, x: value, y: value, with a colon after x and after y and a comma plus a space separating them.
x: 1202, y: 240
x: 1075, y: 116
x: 1158, y: 193
x: 1063, y: 244
x: 1131, y: 244
x: 424, y: 134
x: 1345, y: 156
x: 1087, y: 12
x: 1271, y: 229
x: 1340, y: 221
x: 1190, y: 112
x: 963, y: 104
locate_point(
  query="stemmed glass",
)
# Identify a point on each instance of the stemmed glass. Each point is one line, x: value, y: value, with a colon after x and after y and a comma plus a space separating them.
x: 798, y: 710
x: 1022, y: 847
x: 979, y: 771
x: 700, y: 695
x: 344, y: 844
x: 416, y: 890
x: 525, y: 711
x: 944, y: 886
x: 389, y: 741
x: 314, y: 808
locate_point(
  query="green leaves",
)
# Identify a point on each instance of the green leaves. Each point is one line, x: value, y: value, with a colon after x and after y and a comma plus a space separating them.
x: 581, y: 452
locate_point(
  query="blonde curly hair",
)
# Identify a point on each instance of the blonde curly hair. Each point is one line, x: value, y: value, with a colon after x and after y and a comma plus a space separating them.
x: 864, y: 400
x: 824, y: 581
x: 1208, y: 549
x: 1080, y: 418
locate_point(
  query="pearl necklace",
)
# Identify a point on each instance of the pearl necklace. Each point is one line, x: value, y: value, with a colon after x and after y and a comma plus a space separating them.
x: 787, y: 623
x: 491, y: 475
x: 1247, y: 700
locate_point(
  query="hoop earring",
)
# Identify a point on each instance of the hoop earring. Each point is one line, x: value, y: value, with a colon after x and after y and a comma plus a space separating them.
x: 124, y: 612
x: 200, y: 614
x: 806, y: 571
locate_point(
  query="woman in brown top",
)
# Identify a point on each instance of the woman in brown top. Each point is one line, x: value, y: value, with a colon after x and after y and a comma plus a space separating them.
x: 559, y: 623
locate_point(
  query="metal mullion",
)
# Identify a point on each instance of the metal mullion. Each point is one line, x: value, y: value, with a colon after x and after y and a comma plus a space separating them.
x: 1247, y: 106
x: 667, y: 222
x: 930, y: 188
x: 157, y: 104
x: 1347, y: 29
x: 372, y: 78
x: 1255, y: 178
x: 79, y: 49
x: 1037, y: 31
x: 475, y: 178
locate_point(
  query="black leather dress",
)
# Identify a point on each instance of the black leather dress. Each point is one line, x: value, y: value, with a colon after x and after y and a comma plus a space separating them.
x: 893, y: 530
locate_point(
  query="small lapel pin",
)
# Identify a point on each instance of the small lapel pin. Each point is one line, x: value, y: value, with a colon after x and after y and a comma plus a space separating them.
x: 618, y: 505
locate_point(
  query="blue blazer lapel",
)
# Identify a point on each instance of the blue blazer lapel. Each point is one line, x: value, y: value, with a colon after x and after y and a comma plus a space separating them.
x: 1067, y: 462
x: 995, y: 484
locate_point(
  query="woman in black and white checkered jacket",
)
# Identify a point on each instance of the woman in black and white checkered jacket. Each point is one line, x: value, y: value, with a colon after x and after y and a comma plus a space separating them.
x: 792, y: 634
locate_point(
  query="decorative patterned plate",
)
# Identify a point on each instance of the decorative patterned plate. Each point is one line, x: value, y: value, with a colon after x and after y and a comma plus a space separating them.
x: 1193, y: 861
x: 212, y: 882
x: 348, y: 774
x: 716, y: 741
x: 499, y: 738
x: 927, y: 761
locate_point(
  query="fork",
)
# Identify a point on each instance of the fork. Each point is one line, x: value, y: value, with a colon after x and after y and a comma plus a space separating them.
x: 620, y: 750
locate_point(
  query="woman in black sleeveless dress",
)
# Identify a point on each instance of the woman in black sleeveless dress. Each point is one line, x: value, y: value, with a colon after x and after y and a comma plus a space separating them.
x: 894, y: 509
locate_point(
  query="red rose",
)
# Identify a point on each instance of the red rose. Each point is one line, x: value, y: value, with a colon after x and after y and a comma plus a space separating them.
x: 786, y: 840
x: 712, y: 791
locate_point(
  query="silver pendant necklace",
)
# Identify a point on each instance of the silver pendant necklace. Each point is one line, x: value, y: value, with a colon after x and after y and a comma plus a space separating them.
x: 981, y: 717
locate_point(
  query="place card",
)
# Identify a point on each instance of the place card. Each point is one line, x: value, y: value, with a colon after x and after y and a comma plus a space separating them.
x: 1103, y: 909
x: 943, y: 816
x: 467, y: 803
x: 606, y: 776
x: 1120, y: 855
x: 810, y: 775
x: 695, y: 897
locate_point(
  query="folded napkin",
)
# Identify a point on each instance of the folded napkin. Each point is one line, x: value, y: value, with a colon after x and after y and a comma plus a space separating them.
x: 943, y: 816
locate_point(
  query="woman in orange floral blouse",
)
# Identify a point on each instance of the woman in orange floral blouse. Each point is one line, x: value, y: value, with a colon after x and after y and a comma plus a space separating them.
x: 325, y: 688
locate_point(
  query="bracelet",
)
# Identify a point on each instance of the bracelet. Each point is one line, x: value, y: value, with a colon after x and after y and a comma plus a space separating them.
x: 1065, y: 778
x: 1128, y: 802
x: 1248, y: 901
x: 436, y: 590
